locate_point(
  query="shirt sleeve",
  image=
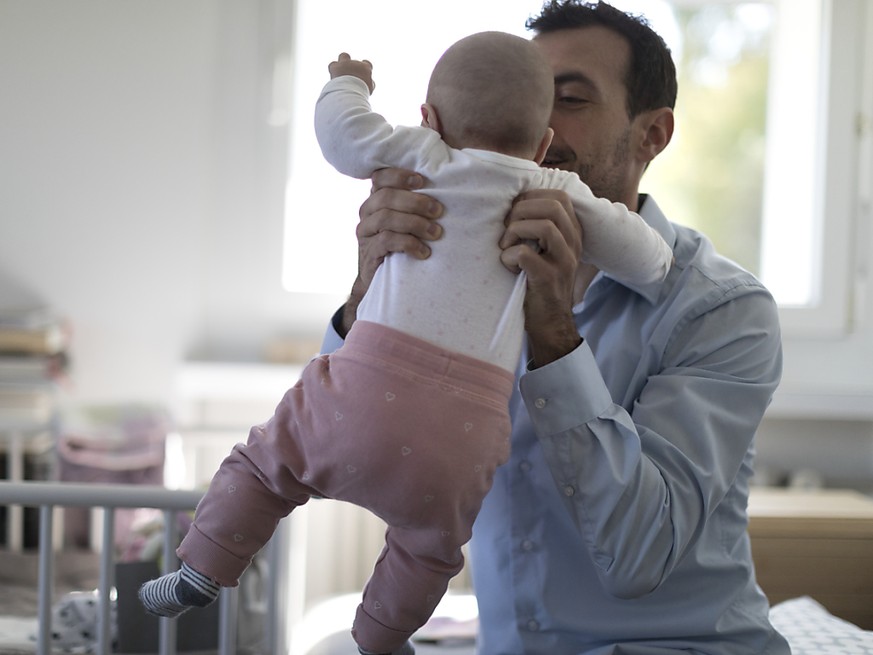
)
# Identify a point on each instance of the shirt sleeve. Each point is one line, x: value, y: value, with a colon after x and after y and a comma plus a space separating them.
x: 640, y: 482
x: 357, y: 141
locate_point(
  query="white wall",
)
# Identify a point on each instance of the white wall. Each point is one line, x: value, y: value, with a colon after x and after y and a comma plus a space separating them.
x: 139, y: 180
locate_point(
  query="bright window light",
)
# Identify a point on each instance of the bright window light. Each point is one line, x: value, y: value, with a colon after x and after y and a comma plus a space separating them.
x: 790, y: 258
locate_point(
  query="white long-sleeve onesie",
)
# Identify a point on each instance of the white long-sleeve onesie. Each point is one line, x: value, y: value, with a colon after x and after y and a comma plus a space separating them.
x: 462, y: 298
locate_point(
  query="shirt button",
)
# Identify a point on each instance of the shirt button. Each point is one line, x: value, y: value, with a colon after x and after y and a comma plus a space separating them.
x: 533, y: 625
x: 525, y: 466
x: 539, y: 403
x: 569, y: 490
x: 527, y: 545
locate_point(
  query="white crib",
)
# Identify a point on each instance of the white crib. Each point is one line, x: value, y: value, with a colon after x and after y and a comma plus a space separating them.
x: 48, y: 496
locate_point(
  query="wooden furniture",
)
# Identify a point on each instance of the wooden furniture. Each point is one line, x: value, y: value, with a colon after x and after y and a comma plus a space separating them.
x: 815, y: 543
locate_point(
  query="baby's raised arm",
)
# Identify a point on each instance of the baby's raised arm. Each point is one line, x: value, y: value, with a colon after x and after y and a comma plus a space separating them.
x: 355, y: 139
x: 345, y: 65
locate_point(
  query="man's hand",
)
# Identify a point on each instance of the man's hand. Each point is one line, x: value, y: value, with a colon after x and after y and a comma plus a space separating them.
x: 345, y: 65
x: 393, y: 219
x: 544, y: 239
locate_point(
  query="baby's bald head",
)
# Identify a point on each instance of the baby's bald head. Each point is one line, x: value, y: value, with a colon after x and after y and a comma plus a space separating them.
x: 493, y: 91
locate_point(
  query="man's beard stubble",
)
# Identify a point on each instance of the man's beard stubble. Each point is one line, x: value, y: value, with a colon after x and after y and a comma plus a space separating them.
x: 606, y: 179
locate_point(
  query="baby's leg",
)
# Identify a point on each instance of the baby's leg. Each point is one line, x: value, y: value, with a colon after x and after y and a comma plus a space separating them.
x: 409, y: 579
x: 238, y: 516
x: 234, y: 520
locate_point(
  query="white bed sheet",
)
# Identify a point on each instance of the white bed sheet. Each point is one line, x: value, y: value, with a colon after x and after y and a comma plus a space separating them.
x: 812, y: 630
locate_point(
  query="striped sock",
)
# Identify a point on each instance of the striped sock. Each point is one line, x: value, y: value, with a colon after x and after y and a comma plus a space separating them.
x: 174, y: 593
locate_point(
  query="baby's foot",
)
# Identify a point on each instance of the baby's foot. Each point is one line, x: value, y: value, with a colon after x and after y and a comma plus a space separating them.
x: 174, y: 593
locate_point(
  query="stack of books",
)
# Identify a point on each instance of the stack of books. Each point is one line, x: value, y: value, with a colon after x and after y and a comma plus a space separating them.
x: 33, y: 368
x: 34, y: 360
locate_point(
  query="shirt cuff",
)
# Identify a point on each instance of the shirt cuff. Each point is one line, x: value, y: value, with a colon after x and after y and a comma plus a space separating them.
x: 565, y: 393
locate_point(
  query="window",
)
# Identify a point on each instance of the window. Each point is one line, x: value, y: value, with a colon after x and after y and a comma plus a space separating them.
x: 763, y: 132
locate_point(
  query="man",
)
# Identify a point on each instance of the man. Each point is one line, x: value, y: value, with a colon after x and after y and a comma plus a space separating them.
x: 619, y: 523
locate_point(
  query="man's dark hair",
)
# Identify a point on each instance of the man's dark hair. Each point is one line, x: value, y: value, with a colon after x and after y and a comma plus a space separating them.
x: 651, y: 76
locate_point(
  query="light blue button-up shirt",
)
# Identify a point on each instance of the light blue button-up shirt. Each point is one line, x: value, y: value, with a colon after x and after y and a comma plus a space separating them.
x: 618, y: 526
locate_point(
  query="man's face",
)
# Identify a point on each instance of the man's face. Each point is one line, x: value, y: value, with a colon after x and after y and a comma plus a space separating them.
x: 593, y: 134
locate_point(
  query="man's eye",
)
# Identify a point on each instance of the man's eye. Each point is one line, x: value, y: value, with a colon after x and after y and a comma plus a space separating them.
x: 571, y: 100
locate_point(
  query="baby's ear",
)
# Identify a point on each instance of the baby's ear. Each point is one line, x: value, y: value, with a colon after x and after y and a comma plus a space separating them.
x: 429, y: 117
x: 544, y: 146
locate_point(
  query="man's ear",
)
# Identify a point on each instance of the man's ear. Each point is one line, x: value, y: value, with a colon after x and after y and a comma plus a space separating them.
x: 544, y: 146
x: 657, y: 125
x: 429, y: 117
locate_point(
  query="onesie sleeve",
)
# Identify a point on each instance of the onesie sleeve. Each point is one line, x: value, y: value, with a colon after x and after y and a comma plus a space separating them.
x: 616, y: 240
x: 357, y: 141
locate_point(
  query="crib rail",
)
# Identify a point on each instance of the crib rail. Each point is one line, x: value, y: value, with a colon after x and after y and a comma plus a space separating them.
x: 49, y: 495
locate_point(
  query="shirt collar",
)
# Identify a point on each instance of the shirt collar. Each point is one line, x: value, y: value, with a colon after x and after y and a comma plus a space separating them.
x: 651, y: 214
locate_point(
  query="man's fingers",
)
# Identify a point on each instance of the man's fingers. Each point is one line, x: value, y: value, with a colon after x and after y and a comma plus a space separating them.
x: 538, y: 234
x: 511, y: 258
x: 546, y: 219
x: 396, y: 178
x: 401, y: 211
x: 393, y: 220
x: 542, y: 237
x: 385, y: 243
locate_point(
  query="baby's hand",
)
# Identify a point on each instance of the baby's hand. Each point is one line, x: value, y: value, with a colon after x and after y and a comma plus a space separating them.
x: 345, y: 65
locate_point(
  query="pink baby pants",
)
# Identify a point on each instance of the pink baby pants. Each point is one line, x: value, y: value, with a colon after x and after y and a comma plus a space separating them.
x: 408, y: 430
